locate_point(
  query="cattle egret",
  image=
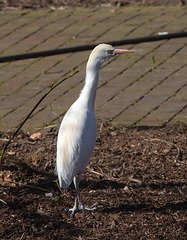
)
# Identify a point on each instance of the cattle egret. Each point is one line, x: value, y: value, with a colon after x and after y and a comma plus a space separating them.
x: 77, y: 133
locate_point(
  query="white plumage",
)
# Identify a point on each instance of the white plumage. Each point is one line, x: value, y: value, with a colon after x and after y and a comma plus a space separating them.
x: 77, y: 133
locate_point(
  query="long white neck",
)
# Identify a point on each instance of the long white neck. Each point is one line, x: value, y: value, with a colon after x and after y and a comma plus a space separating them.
x: 88, y: 92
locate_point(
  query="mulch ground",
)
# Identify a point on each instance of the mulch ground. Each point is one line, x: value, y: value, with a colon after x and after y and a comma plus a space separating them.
x: 136, y: 176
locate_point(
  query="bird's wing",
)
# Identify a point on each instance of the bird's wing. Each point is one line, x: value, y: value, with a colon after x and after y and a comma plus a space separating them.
x: 76, y: 140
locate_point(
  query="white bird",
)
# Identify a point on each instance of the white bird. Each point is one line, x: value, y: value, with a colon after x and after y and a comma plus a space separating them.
x: 77, y: 133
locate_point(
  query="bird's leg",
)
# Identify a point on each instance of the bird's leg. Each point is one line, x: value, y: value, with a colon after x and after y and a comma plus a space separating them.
x: 78, y: 206
x: 76, y: 183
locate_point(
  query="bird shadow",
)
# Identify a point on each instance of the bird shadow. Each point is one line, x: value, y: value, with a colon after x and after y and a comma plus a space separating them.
x: 43, y: 181
x: 102, y: 184
x: 105, y: 184
x: 182, y: 205
x: 22, y: 166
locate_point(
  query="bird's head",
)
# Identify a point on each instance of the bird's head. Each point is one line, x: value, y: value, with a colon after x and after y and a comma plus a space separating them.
x: 103, y: 52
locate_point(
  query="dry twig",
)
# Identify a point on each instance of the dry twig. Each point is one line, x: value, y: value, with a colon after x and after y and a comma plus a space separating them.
x: 3, y: 201
x: 170, y: 144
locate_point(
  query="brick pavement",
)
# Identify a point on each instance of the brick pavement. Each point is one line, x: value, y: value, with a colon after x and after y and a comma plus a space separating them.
x: 132, y: 90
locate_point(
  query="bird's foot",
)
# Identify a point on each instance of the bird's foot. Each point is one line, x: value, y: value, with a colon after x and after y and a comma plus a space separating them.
x: 91, y: 208
x: 80, y: 208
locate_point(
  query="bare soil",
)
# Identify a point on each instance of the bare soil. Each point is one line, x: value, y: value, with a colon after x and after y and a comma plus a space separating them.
x: 58, y: 4
x: 136, y: 176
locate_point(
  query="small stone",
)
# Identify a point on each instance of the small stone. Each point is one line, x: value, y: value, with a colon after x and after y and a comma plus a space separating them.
x: 49, y: 195
x: 126, y: 189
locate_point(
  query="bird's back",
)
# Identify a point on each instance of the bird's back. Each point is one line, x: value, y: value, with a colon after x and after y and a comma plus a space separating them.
x: 76, y: 140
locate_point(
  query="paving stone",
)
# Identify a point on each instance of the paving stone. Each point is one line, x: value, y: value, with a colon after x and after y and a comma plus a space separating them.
x: 167, y: 110
x: 132, y: 88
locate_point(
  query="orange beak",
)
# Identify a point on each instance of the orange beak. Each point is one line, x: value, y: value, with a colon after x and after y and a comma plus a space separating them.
x: 121, y: 51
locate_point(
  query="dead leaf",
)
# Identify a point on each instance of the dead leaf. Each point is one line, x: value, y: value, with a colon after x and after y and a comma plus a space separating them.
x: 11, y: 153
x: 35, y: 136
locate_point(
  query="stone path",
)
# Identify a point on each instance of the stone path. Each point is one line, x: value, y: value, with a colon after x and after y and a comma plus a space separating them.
x: 133, y: 89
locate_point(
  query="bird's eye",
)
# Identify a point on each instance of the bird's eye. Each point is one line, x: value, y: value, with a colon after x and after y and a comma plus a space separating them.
x: 109, y: 51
